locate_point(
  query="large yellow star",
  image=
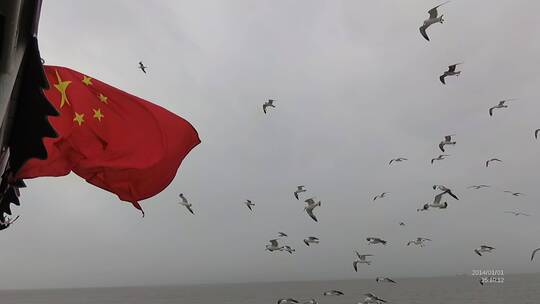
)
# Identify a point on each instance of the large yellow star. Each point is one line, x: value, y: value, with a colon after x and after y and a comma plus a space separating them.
x: 79, y: 118
x: 87, y: 80
x: 61, y: 86
x: 97, y: 114
x: 103, y: 98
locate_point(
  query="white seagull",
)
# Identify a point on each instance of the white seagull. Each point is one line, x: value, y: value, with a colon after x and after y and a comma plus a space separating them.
x: 433, y: 18
x: 333, y: 293
x: 371, y: 298
x: 288, y: 249
x: 287, y: 301
x: 501, y: 105
x: 492, y: 160
x: 142, y: 67
x: 269, y: 103
x: 514, y: 193
x: 399, y: 159
x: 420, y: 241
x: 274, y: 246
x: 249, y: 204
x: 447, y: 141
x: 445, y: 190
x: 440, y: 157
x: 299, y: 190
x: 388, y: 280
x: 436, y: 203
x: 361, y: 260
x: 483, y: 249
x: 451, y: 72
x: 476, y: 187
x: 516, y: 213
x: 380, y: 195
x: 185, y: 203
x: 311, y: 204
x: 375, y: 240
x: 311, y: 240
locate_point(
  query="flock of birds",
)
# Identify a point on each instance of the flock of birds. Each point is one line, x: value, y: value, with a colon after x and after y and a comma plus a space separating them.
x: 439, y: 201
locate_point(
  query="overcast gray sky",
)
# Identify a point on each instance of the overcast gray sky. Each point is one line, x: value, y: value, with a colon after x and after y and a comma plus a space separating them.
x: 355, y: 85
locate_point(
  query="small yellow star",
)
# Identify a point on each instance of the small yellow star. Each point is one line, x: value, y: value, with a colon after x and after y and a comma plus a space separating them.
x: 61, y: 86
x: 87, y: 80
x: 103, y: 98
x: 79, y: 118
x: 97, y: 114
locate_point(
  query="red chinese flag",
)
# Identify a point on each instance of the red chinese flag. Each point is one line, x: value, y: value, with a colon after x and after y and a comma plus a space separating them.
x: 114, y: 140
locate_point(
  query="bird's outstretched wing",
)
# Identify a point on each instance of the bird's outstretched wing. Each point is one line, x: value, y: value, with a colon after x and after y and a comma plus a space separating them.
x: 441, y: 146
x: 442, y: 77
x: 491, y: 111
x: 310, y: 213
x: 534, y: 252
x: 423, y: 32
x: 355, y: 265
x: 452, y: 194
x: 536, y: 133
x: 433, y: 12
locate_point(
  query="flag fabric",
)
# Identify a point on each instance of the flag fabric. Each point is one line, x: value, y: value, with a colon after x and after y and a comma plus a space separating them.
x: 114, y: 140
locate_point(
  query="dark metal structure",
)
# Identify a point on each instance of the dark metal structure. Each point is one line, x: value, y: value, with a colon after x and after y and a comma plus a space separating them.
x: 24, y: 109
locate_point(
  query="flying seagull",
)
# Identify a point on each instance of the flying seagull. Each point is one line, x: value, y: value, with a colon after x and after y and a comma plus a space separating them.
x: 445, y: 190
x: 361, y: 260
x: 451, y: 72
x: 185, y: 203
x: 536, y: 133
x: 447, y: 141
x: 142, y: 67
x: 380, y: 195
x: 483, y: 249
x: 419, y: 242
x: 299, y: 190
x: 501, y: 105
x: 269, y: 103
x: 399, y: 159
x: 433, y: 18
x: 333, y: 293
x: 492, y: 160
x: 311, y: 240
x: 388, y: 280
x: 440, y: 157
x: 288, y: 249
x: 374, y: 240
x: 371, y: 298
x: 274, y: 246
x: 282, y: 234
x: 534, y: 252
x: 249, y: 204
x: 514, y: 193
x: 287, y: 301
x: 311, y: 204
x: 436, y: 202
x: 517, y: 213
x: 476, y: 187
